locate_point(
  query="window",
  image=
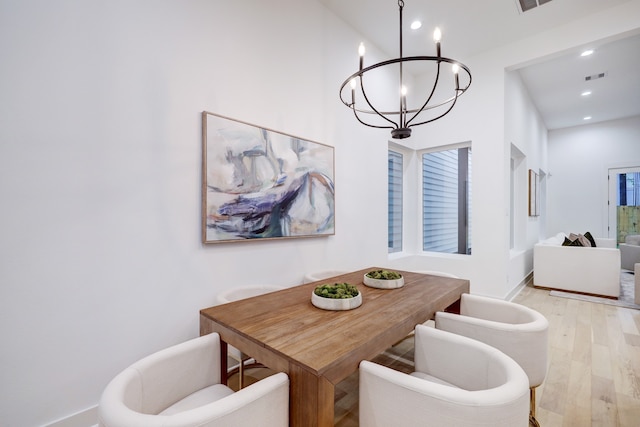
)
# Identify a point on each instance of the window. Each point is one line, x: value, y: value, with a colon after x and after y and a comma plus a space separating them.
x: 629, y: 189
x: 446, y: 201
x: 395, y: 202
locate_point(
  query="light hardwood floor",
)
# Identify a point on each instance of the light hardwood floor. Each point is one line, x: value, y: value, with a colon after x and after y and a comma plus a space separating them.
x: 594, y: 362
x: 594, y: 365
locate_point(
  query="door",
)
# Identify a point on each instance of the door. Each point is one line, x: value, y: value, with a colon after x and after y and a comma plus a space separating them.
x: 624, y: 202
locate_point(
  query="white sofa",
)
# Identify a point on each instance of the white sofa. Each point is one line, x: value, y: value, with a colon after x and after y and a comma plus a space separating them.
x: 588, y: 270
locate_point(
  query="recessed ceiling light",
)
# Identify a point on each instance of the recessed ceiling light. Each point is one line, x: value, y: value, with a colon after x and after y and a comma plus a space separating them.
x: 587, y: 118
x: 415, y: 25
x: 587, y: 52
x: 586, y: 93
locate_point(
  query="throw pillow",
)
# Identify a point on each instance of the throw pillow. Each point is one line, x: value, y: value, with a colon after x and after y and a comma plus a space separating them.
x: 584, y: 241
x: 568, y: 242
x: 590, y: 238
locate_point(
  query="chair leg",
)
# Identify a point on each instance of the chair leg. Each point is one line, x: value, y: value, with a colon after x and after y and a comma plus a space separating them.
x: 532, y: 408
x: 241, y: 372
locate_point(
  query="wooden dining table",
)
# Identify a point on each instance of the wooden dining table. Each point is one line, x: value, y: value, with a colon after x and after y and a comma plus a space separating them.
x: 319, y: 348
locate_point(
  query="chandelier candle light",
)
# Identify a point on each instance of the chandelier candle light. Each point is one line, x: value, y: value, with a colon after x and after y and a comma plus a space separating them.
x: 400, y: 121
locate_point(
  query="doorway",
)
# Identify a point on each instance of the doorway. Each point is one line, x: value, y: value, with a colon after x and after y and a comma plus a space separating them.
x: 624, y: 202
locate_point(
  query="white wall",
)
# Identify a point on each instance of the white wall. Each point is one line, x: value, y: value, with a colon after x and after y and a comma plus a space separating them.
x: 100, y: 177
x: 524, y: 130
x: 579, y: 159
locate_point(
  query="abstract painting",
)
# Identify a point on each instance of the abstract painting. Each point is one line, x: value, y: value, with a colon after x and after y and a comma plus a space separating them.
x: 262, y: 184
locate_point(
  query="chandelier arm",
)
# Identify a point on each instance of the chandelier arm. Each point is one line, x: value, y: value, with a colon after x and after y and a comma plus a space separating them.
x: 454, y: 99
x: 431, y: 107
x: 440, y: 116
x: 433, y: 90
x: 355, y: 113
x: 364, y: 94
x: 373, y: 110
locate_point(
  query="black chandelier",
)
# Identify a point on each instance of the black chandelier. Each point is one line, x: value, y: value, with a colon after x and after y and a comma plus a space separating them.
x: 401, y: 120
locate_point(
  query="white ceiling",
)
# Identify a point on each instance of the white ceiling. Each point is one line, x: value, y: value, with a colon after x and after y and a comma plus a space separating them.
x: 556, y: 85
x: 473, y: 26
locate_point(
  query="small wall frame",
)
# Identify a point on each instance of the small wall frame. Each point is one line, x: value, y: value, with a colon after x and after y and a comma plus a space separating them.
x: 534, y: 208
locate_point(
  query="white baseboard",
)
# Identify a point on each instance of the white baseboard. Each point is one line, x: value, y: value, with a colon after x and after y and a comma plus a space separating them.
x: 515, y: 291
x: 86, y: 418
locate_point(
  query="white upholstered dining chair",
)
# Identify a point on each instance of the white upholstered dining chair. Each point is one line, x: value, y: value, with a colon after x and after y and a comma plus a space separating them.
x: 457, y: 382
x: 180, y: 387
x: 518, y: 331
x: 236, y: 294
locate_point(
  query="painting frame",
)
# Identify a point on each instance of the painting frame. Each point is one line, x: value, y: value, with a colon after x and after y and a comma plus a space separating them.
x: 538, y: 200
x: 261, y: 184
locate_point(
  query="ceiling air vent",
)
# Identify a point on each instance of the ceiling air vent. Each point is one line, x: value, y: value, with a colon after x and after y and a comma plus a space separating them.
x: 594, y: 77
x: 526, y: 5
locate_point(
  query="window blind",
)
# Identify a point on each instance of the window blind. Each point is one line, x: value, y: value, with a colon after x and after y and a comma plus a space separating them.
x: 395, y: 202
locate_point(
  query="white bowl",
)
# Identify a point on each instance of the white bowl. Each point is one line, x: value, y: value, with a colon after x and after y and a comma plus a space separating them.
x: 335, y: 303
x: 384, y: 283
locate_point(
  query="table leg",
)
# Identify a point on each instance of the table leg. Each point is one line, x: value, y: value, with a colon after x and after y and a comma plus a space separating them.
x: 224, y: 374
x: 454, y: 308
x: 311, y: 399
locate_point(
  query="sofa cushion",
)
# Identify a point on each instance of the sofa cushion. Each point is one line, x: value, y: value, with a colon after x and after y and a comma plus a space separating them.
x: 632, y: 239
